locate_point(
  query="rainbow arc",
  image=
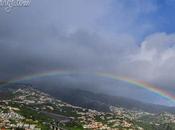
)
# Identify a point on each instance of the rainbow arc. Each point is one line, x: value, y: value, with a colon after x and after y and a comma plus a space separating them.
x: 141, y: 84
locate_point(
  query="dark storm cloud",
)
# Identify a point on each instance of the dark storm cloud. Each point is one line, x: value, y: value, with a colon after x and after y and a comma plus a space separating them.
x: 37, y: 39
x: 93, y: 35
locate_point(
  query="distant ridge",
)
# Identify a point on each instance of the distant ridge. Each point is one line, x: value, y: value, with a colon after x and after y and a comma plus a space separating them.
x: 88, y: 99
x: 102, y: 102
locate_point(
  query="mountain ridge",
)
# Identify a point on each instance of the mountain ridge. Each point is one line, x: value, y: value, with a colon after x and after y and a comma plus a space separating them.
x: 92, y: 100
x: 85, y: 98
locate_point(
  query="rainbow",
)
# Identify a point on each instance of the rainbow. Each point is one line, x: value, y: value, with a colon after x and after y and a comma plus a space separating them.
x: 141, y: 84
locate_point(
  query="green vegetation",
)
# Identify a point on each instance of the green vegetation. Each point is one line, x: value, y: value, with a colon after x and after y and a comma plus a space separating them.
x: 67, y: 111
x: 74, y: 126
x: 32, y: 116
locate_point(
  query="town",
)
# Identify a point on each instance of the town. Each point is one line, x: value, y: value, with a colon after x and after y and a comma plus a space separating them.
x: 31, y: 109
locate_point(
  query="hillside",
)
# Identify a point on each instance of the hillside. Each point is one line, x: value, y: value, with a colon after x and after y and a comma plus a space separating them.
x: 102, y: 102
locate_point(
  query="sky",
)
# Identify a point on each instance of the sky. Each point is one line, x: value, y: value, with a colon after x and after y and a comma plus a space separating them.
x: 132, y: 38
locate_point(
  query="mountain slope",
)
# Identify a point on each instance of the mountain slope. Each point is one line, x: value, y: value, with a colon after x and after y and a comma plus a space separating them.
x: 87, y: 99
x: 101, y: 102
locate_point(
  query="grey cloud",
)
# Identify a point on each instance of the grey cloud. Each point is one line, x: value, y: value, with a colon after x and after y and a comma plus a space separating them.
x: 83, y: 35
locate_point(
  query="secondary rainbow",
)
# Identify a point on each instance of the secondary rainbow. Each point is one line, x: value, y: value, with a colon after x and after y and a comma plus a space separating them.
x: 157, y: 90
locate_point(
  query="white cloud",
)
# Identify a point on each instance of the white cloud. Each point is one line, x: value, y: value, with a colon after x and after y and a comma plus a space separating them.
x: 155, y: 60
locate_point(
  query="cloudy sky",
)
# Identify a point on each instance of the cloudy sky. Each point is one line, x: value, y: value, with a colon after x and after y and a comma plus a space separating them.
x: 132, y: 38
